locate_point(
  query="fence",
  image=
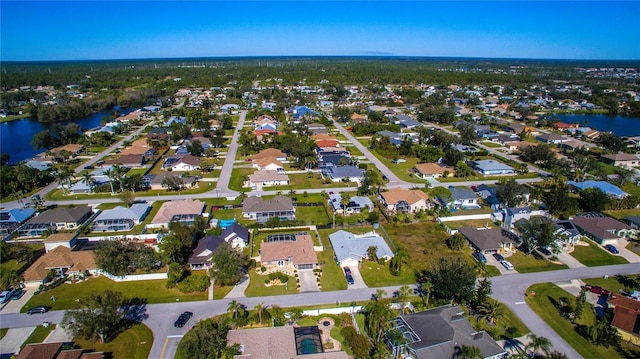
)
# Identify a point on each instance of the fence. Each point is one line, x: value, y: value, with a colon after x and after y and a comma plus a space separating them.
x: 131, y: 237
x: 339, y: 310
x: 135, y: 277
x: 465, y: 217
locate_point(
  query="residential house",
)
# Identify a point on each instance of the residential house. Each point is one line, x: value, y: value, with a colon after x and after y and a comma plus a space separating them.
x: 621, y: 159
x: 626, y: 317
x: 270, y: 153
x: 357, y: 204
x: 489, y: 195
x: 317, y: 128
x: 55, y: 351
x: 265, y: 122
x: 606, y: 187
x: 603, y: 230
x: 269, y: 164
x: 574, y: 144
x: 357, y: 118
x: 346, y: 173
x: 179, y: 120
x: 463, y: 198
x: 432, y: 170
x: 489, y: 240
x: 267, y: 178
x: 404, y: 200
x: 288, y: 342
x: 201, y: 256
x: 395, y: 138
x: 591, y: 134
x: 633, y: 221
x: 64, y: 261
x: 11, y: 219
x: 297, y: 253
x: 120, y: 218
x: 350, y: 249
x: 492, y: 168
x: 440, y: 333
x: 327, y: 143
x: 130, y: 161
x: 157, y: 181
x: 63, y: 239
x: 73, y: 148
x: 330, y: 160
x: 182, y: 163
x: 562, y: 126
x: 262, y: 210
x: 138, y: 147
x: 551, y: 138
x: 464, y: 148
x: 60, y: 218
x: 567, y: 231
x: 515, y: 214
x: 183, y: 211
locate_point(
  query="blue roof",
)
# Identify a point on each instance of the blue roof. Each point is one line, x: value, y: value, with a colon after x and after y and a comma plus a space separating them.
x: 16, y: 215
x: 345, y: 171
x: 606, y: 187
x: 347, y: 245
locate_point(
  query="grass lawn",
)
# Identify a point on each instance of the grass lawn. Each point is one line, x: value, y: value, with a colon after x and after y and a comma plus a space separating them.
x: 39, y: 334
x: 634, y: 246
x: 622, y: 213
x: 152, y: 290
x: 631, y: 189
x: 360, y: 321
x: 237, y: 178
x: 616, y: 283
x: 493, y: 271
x: 491, y: 144
x: 219, y: 292
x: 258, y: 289
x: 543, y: 304
x: 404, y: 170
x: 592, y: 255
x: 14, y: 265
x: 13, y: 117
x: 332, y: 276
x: 477, y: 223
x: 532, y: 263
x: 377, y: 275
x: 501, y: 324
x: 3, y: 332
x: 312, y: 215
x: 301, y: 181
x: 133, y: 343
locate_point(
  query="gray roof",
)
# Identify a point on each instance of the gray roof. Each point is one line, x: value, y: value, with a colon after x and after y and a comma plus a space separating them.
x: 346, y: 245
x: 460, y: 194
x: 62, y: 215
x: 486, y: 239
x: 257, y: 204
x: 441, y: 331
x: 344, y: 171
x: 491, y: 165
x: 387, y: 133
x: 355, y: 201
x: 136, y: 212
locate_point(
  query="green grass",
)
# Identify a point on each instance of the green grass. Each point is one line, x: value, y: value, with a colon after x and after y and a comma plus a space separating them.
x: 312, y: 215
x: 593, y: 255
x: 133, y: 343
x: 360, y: 321
x: 634, y: 246
x: 476, y: 223
x: 39, y: 334
x: 377, y: 275
x: 10, y: 118
x: 543, y: 304
x: 533, y: 263
x: 622, y: 213
x: 491, y: 144
x: 154, y: 291
x: 493, y: 271
x: 332, y: 276
x: 258, y: 289
x: 631, y: 188
x: 301, y: 181
x: 237, y: 178
x: 497, y: 330
x: 219, y: 292
x: 3, y: 332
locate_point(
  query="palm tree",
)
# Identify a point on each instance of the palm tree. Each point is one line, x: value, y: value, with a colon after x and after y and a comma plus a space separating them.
x: 88, y: 179
x: 344, y: 201
x: 118, y: 173
x: 427, y: 287
x: 470, y: 352
x: 63, y: 175
x: 380, y: 293
x: 260, y: 310
x: 109, y: 173
x: 537, y: 344
x: 491, y: 310
x: 399, y: 260
x: 235, y: 308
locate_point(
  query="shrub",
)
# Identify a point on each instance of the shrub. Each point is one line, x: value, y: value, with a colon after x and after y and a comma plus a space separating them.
x: 348, y: 333
x: 263, y: 268
x: 194, y: 283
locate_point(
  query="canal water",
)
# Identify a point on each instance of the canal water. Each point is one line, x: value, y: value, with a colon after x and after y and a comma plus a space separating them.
x: 618, y: 125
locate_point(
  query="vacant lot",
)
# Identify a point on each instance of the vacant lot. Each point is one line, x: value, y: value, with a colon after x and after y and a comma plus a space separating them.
x: 533, y: 263
x: 378, y: 275
x: 133, y: 343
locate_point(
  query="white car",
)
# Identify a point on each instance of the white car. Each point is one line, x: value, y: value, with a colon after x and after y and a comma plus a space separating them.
x: 507, y: 264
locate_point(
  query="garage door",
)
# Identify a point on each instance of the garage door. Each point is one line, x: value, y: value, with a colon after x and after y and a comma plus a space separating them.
x: 305, y: 266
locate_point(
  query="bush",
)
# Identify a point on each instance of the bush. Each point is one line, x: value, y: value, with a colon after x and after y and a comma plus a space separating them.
x: 348, y: 333
x: 283, y: 278
x: 263, y: 268
x: 194, y: 283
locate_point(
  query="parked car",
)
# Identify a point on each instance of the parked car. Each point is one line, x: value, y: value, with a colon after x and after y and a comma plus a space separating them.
x: 17, y: 294
x: 347, y: 271
x: 545, y: 251
x: 183, y: 319
x: 498, y: 257
x: 507, y: 264
x: 41, y: 309
x: 611, y: 248
x: 350, y: 279
x: 597, y: 290
x: 480, y: 257
x: 5, y: 296
x: 385, y: 178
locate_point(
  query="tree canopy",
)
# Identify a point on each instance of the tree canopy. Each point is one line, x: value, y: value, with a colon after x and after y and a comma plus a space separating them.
x: 99, y: 316
x: 229, y: 265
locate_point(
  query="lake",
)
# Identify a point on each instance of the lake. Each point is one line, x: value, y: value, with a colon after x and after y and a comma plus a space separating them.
x: 618, y: 125
x: 15, y: 136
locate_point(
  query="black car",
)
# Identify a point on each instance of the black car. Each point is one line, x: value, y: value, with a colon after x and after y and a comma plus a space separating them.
x: 17, y: 294
x: 183, y: 319
x: 498, y: 257
x: 350, y: 279
x: 347, y: 271
x: 38, y: 310
x: 545, y: 251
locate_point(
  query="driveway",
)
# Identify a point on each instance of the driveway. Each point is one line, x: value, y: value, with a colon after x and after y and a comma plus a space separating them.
x: 14, y: 306
x: 624, y: 252
x: 494, y: 262
x: 569, y: 260
x: 238, y: 289
x: 14, y: 338
x: 308, y: 282
x: 358, y: 282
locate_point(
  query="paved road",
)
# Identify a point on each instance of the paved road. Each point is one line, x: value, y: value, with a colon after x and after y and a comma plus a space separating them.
x: 222, y: 187
x: 510, y: 291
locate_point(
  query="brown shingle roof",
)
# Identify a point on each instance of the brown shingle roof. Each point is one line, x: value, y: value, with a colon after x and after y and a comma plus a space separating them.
x: 626, y: 314
x: 485, y: 239
x: 172, y: 208
x: 263, y: 162
x: 396, y: 195
x: 189, y: 159
x: 430, y: 168
x: 301, y: 250
x: 60, y: 237
x: 70, y: 354
x: 60, y: 257
x: 40, y: 351
x: 269, y: 152
x: 268, y: 175
x: 621, y: 157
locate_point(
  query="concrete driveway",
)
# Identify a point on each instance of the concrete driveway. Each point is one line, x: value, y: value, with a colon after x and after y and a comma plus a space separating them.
x: 14, y: 338
x: 494, y: 262
x: 569, y: 260
x: 238, y: 289
x: 308, y: 282
x: 624, y: 252
x: 358, y: 282
x: 14, y: 306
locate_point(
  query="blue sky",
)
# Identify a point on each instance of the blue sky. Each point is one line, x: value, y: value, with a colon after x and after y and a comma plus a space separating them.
x: 78, y: 30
